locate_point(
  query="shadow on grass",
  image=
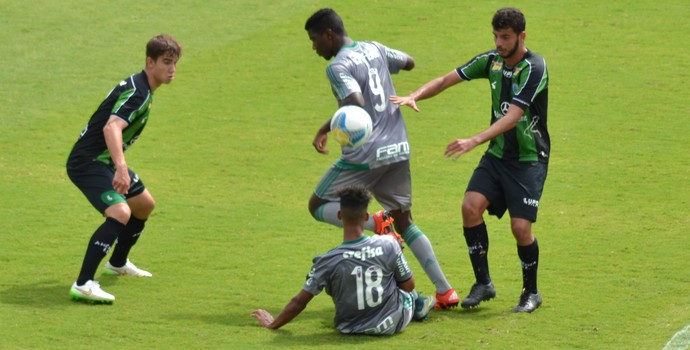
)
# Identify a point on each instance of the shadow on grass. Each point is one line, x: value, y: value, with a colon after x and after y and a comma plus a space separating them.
x: 287, y: 338
x: 237, y: 319
x: 323, y: 334
x: 41, y: 294
x: 44, y: 294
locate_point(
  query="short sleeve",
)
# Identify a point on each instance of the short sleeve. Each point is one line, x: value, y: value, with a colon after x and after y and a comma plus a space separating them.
x: 342, y: 82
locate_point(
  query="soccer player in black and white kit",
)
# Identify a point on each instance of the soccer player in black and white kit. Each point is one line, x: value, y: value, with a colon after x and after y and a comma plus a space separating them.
x: 97, y: 166
x: 511, y: 174
x: 360, y: 74
x: 367, y: 277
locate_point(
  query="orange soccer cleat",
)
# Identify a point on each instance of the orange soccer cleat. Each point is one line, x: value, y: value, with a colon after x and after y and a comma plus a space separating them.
x: 383, y: 225
x: 447, y: 300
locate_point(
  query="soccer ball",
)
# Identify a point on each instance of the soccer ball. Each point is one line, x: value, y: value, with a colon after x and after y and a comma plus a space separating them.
x: 351, y: 126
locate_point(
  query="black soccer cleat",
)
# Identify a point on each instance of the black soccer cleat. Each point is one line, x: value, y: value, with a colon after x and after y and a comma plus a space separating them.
x: 528, y: 302
x: 478, y: 293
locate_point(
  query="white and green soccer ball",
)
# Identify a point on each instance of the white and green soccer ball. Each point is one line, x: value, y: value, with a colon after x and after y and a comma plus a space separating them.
x: 351, y: 126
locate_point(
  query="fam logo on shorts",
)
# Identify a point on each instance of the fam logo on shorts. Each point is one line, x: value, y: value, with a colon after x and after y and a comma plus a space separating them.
x: 112, y: 197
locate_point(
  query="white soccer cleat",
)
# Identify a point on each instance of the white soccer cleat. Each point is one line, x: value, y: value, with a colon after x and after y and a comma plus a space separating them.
x: 128, y: 270
x: 91, y: 292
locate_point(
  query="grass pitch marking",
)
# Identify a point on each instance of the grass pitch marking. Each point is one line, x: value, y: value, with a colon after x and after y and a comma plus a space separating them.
x: 680, y: 340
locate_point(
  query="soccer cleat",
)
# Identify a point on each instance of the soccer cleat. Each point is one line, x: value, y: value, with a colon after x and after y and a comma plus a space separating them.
x: 480, y: 292
x: 423, y: 306
x: 383, y: 225
x: 128, y: 270
x: 447, y: 300
x: 528, y: 302
x: 90, y: 292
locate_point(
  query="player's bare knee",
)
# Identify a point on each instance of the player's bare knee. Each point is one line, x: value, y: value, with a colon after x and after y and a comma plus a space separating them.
x: 401, y: 219
x: 314, y: 204
x: 148, y: 206
x: 142, y: 205
x: 143, y: 212
x: 471, y: 213
x: 120, y: 212
x: 522, y: 231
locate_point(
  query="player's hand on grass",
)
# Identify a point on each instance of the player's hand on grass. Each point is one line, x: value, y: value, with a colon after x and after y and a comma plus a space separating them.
x: 264, y: 317
x: 405, y: 101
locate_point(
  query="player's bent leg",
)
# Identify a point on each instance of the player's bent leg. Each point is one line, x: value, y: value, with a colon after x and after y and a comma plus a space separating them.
x: 473, y: 207
x: 315, y: 202
x: 141, y: 207
x: 421, y: 247
x: 528, y: 252
x: 324, y: 211
x: 423, y: 306
x: 120, y: 212
x: 119, y: 263
x: 522, y: 231
x: 86, y: 288
x: 382, y: 222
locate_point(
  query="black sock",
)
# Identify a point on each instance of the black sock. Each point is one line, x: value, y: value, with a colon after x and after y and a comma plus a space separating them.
x: 127, y: 239
x: 529, y: 257
x: 477, y: 239
x: 101, y: 241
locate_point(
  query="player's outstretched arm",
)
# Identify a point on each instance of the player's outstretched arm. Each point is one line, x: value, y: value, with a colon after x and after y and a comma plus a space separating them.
x: 428, y: 90
x: 461, y: 146
x: 292, y: 309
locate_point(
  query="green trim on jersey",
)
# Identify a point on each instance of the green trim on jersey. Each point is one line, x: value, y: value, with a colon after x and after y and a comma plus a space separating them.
x: 524, y: 85
x: 332, y: 77
x: 355, y: 241
x: 350, y: 166
x: 124, y: 96
x: 137, y: 121
x: 340, y: 87
x: 130, y: 100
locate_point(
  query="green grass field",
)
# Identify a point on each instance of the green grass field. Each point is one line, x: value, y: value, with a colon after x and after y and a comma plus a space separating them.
x: 228, y: 157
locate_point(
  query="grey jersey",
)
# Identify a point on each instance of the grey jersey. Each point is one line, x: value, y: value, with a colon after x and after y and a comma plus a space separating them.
x: 366, y: 67
x: 361, y: 276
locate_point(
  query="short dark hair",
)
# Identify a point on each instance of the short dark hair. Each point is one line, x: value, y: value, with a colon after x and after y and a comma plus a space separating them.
x: 163, y: 44
x: 509, y: 17
x: 354, y: 202
x: 323, y: 20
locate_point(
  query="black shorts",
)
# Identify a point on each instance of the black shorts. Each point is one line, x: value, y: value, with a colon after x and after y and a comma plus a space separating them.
x: 95, y: 180
x: 510, y: 185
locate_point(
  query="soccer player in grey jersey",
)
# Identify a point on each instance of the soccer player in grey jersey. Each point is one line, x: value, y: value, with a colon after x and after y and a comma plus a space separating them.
x: 360, y: 74
x: 368, y: 279
x: 512, y: 172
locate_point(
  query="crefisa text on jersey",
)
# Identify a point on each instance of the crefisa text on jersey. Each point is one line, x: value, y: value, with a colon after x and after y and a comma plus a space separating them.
x: 364, y: 254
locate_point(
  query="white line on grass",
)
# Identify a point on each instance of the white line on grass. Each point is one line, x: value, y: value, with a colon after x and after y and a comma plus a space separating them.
x: 680, y: 340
